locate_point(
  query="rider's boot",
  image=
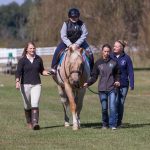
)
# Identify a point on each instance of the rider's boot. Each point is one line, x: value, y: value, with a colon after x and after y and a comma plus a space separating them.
x: 35, y: 118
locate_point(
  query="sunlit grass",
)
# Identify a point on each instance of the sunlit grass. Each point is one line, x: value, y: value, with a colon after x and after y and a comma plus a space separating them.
x: 135, y: 135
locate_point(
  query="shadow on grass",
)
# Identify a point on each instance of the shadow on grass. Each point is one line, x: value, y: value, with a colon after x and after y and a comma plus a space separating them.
x: 129, y: 125
x: 91, y: 125
x: 96, y: 125
x: 83, y: 125
x: 49, y: 127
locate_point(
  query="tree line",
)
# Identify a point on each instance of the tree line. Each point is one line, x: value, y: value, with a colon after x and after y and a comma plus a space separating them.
x: 107, y: 21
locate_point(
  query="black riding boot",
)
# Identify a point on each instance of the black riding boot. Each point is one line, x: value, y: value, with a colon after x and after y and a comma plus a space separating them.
x: 91, y: 61
x: 35, y: 119
x: 28, y: 117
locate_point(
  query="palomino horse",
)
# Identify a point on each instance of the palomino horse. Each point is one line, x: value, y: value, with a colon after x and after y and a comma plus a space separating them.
x: 72, y: 73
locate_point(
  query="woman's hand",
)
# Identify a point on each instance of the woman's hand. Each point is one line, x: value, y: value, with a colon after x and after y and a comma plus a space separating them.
x: 17, y: 85
x: 131, y: 88
x: 46, y: 73
x: 117, y: 84
x: 74, y: 46
x: 85, y: 85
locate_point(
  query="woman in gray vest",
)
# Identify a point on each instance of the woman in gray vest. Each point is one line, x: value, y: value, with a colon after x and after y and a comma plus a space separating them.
x: 73, y: 34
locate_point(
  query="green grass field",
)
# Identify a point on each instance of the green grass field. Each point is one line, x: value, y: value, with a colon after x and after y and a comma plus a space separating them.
x: 135, y: 134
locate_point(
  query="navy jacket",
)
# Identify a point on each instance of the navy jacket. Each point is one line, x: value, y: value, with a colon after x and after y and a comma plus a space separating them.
x: 126, y: 69
x: 108, y: 73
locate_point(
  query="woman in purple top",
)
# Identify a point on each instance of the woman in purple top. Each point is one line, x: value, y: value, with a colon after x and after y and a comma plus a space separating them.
x: 126, y: 76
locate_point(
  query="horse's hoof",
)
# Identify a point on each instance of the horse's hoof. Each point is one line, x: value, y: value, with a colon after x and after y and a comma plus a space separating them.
x: 75, y: 128
x: 67, y: 124
x: 79, y: 124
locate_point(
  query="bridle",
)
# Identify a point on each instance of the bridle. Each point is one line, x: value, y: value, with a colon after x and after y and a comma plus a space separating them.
x: 79, y: 72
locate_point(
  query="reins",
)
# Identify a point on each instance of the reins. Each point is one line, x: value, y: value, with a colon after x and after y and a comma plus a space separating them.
x: 64, y: 67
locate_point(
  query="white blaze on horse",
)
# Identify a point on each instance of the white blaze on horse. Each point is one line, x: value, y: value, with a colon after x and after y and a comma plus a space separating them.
x: 72, y: 73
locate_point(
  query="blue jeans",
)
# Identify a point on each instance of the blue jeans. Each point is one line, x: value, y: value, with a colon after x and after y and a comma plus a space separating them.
x: 120, y: 99
x: 108, y: 98
x: 62, y: 46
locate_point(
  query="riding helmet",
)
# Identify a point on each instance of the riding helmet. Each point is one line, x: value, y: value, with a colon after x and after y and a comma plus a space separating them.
x: 73, y: 12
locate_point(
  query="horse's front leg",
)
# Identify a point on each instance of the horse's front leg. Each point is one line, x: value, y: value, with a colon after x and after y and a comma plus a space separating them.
x: 66, y: 116
x: 79, y: 103
x: 65, y: 104
x: 70, y: 95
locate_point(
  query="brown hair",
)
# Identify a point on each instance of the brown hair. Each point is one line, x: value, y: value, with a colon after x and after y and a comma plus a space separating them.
x: 26, y: 47
x: 106, y: 45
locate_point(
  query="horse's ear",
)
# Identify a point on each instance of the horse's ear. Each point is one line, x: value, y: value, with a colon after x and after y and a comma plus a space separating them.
x: 81, y: 50
x: 70, y: 49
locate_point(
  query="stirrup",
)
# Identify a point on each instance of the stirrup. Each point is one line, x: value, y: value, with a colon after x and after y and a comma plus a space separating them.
x: 52, y: 72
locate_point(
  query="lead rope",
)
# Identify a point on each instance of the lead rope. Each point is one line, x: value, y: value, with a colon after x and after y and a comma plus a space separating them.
x: 92, y: 91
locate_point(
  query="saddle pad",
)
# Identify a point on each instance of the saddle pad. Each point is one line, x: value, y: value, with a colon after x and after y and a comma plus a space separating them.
x: 61, y: 58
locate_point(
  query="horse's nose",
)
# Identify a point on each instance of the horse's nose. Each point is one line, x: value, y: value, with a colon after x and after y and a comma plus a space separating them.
x: 76, y: 84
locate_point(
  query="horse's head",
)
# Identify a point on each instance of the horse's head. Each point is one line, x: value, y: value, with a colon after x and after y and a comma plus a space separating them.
x: 75, y: 65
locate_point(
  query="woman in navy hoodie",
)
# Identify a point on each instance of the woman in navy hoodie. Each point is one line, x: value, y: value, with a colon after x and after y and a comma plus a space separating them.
x: 126, y: 76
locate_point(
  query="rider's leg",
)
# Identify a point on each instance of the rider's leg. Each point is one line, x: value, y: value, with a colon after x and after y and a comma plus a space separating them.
x: 55, y: 59
x: 89, y: 53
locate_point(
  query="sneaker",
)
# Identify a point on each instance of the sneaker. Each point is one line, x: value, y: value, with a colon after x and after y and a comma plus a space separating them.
x: 52, y: 72
x: 67, y: 124
x: 113, y: 128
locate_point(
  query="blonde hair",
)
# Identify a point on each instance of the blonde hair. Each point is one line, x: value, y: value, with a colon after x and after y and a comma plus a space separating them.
x: 123, y: 43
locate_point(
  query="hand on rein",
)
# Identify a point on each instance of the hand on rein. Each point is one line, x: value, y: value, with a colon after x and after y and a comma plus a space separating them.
x: 74, y: 47
x: 85, y: 85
